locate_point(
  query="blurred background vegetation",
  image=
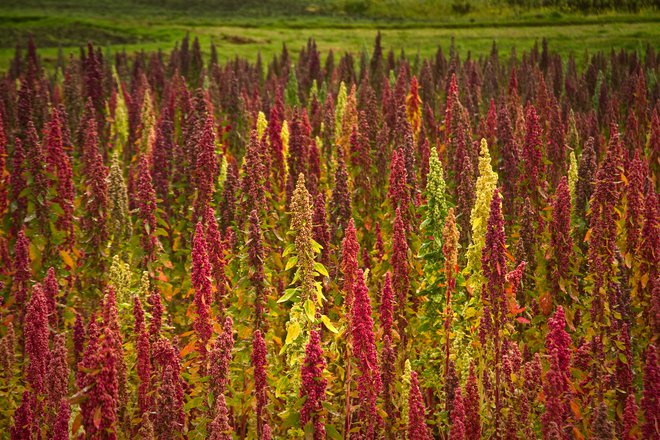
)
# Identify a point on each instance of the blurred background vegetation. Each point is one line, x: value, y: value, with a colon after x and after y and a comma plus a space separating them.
x: 248, y: 27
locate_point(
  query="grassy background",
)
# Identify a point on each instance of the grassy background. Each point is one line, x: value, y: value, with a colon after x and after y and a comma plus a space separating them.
x: 249, y: 27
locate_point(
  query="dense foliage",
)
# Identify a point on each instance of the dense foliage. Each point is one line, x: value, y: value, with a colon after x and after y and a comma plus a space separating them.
x: 366, y: 246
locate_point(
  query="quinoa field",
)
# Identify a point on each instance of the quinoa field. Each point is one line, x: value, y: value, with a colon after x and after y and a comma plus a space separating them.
x: 318, y: 241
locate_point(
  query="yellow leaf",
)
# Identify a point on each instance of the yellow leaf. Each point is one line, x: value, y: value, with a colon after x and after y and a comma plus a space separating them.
x: 292, y: 333
x: 628, y: 260
x: 329, y: 324
x: 562, y: 285
x: 67, y: 259
x: 310, y: 310
x: 320, y: 268
x: 645, y: 279
x: 188, y: 348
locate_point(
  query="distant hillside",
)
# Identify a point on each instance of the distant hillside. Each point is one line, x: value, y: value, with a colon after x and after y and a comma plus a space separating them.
x: 424, y: 10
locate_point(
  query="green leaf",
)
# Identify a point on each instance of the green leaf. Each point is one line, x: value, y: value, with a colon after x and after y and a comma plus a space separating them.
x: 317, y: 247
x: 320, y: 268
x: 288, y: 294
x: 310, y: 310
x: 293, y: 419
x: 296, y: 277
x: 328, y: 324
x: 193, y: 403
x: 291, y: 262
x: 57, y: 209
x: 281, y: 387
x: 288, y: 249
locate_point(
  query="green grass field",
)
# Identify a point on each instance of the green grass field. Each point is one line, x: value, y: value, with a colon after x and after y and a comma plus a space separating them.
x: 249, y: 30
